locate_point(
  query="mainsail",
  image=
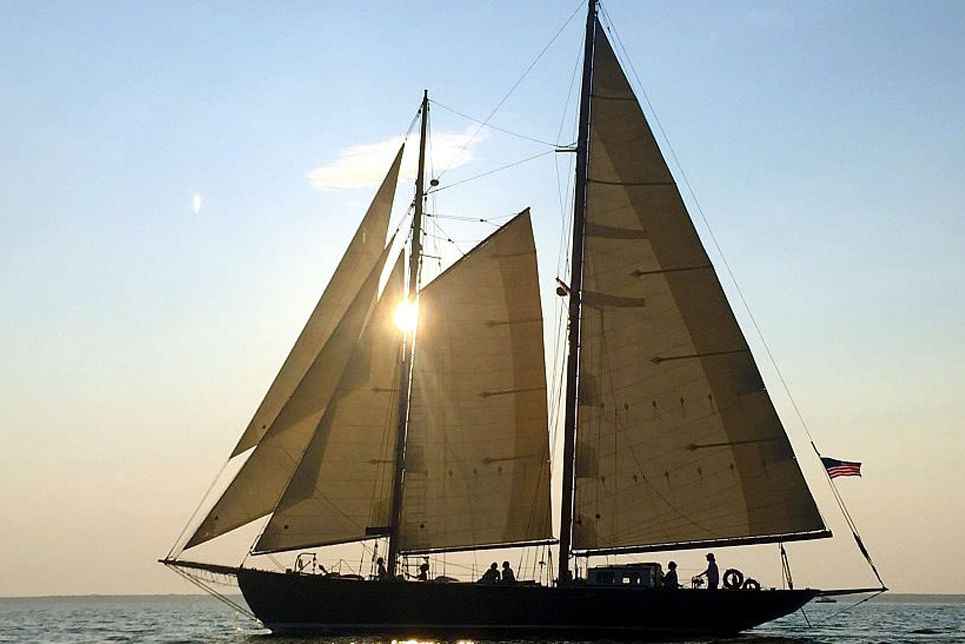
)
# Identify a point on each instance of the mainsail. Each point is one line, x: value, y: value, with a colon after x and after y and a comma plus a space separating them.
x: 477, y: 450
x: 678, y: 442
x: 342, y: 488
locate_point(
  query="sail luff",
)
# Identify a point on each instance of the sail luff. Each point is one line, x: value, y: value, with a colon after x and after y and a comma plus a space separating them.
x: 352, y: 269
x: 576, y: 292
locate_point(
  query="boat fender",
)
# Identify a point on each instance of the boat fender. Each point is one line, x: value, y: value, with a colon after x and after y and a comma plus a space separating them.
x: 733, y: 579
x: 751, y: 584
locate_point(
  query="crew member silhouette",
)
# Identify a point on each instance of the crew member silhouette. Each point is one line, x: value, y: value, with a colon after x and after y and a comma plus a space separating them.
x: 508, y: 576
x: 670, y: 579
x: 712, y: 574
x: 491, y: 576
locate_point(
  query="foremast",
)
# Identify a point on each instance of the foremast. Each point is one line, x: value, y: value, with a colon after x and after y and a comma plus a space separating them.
x: 576, y: 284
x: 405, y: 379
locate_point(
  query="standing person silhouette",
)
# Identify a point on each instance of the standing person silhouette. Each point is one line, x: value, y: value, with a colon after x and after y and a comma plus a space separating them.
x: 670, y: 579
x: 712, y: 574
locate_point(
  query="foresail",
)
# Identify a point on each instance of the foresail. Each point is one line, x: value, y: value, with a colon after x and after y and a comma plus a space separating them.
x: 477, y: 449
x: 678, y: 441
x: 342, y: 489
x: 259, y: 484
x: 351, y: 272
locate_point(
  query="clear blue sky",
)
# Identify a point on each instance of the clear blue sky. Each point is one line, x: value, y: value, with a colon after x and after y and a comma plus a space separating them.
x: 825, y: 142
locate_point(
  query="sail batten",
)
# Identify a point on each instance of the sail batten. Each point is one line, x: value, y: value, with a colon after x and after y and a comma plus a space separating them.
x: 477, y: 453
x: 678, y: 441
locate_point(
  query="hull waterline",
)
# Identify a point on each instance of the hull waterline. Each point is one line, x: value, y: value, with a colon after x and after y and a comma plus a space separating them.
x: 294, y: 603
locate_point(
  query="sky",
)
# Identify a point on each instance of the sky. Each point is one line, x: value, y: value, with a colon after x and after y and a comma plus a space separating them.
x: 178, y: 181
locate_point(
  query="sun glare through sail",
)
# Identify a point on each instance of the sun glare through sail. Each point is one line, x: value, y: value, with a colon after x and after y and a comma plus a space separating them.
x: 406, y: 315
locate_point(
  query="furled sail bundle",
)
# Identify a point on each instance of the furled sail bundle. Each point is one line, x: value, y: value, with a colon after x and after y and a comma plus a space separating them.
x: 279, y: 446
x: 678, y: 442
x: 477, y: 449
x: 342, y: 489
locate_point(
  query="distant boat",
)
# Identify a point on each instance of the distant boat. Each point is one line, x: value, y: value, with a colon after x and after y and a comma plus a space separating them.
x: 436, y: 439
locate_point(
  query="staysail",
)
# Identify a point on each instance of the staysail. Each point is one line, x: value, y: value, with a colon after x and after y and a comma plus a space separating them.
x: 259, y: 484
x: 342, y: 489
x: 297, y: 398
x: 352, y: 270
x: 477, y: 450
x: 678, y: 442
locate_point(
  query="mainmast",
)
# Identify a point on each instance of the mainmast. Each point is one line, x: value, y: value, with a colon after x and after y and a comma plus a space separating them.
x: 576, y: 284
x: 415, y: 262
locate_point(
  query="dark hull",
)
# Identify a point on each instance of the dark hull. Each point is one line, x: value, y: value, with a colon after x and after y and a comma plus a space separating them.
x: 290, y: 603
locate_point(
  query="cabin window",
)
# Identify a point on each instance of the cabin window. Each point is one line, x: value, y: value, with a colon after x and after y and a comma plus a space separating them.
x: 604, y: 577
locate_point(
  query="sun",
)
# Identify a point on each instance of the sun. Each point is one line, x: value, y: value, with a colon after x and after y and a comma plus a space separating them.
x: 406, y: 315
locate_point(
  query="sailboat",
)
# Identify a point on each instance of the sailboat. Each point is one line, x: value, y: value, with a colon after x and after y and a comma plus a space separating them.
x: 435, y: 438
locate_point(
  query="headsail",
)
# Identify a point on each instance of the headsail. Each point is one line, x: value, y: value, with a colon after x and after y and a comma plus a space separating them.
x: 477, y: 449
x: 678, y: 442
x: 352, y: 270
x: 258, y: 486
x: 342, y: 488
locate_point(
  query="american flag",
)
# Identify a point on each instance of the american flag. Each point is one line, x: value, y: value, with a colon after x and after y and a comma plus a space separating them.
x: 837, y: 468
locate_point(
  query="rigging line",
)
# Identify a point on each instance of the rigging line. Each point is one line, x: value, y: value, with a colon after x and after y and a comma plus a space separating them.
x: 475, y: 220
x: 486, y: 174
x: 512, y: 89
x: 174, y: 547
x: 445, y: 237
x: 562, y: 266
x: 847, y: 608
x: 415, y: 119
x: 496, y: 127
x: 214, y: 593
x: 850, y: 521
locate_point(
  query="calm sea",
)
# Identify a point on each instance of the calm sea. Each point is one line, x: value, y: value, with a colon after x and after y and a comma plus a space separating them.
x: 188, y: 619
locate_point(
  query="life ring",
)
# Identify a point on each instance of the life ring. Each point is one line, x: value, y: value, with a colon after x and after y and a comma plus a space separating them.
x: 751, y: 584
x: 733, y: 578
